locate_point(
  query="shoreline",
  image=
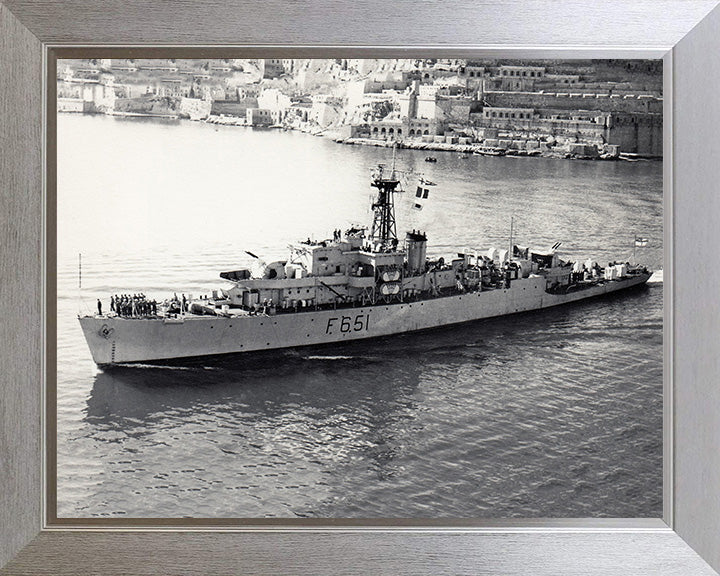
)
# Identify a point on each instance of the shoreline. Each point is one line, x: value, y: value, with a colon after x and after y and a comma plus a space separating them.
x: 476, y: 149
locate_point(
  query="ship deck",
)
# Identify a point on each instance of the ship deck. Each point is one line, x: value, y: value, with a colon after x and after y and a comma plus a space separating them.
x: 240, y: 312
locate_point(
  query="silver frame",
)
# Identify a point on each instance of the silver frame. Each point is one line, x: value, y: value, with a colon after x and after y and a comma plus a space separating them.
x: 623, y: 546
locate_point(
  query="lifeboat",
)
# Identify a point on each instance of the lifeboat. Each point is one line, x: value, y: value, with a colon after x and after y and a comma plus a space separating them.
x: 390, y: 288
x: 390, y: 275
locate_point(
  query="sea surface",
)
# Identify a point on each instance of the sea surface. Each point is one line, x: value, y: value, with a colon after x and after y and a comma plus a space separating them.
x: 556, y: 413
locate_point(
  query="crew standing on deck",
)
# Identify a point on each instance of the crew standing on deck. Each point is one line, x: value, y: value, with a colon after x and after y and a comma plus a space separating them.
x: 99, y: 307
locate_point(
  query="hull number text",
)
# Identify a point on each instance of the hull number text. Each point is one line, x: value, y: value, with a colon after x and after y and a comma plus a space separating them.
x: 344, y: 324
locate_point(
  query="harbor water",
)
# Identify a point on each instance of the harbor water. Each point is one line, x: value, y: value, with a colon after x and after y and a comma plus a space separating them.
x: 555, y: 413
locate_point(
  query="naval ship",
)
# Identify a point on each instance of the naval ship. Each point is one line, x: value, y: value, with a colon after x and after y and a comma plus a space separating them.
x: 359, y: 284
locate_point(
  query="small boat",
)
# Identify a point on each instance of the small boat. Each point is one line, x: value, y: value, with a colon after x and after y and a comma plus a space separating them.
x: 486, y: 151
x: 430, y: 159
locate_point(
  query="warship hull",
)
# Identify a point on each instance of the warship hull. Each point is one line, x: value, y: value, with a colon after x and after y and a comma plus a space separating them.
x: 117, y: 340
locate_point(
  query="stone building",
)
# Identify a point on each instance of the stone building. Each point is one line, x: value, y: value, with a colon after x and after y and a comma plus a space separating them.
x: 272, y: 67
x: 258, y: 117
x: 238, y: 108
x: 637, y: 133
x: 97, y: 92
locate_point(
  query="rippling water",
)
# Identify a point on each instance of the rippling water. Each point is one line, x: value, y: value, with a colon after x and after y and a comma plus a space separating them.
x: 554, y: 413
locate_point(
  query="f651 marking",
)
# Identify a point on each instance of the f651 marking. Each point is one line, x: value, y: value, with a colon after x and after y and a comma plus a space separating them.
x: 345, y: 324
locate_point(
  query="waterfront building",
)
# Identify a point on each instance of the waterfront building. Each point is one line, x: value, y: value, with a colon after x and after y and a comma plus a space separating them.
x: 637, y: 133
x: 258, y: 117
x: 238, y: 108
x: 416, y: 128
x: 88, y: 91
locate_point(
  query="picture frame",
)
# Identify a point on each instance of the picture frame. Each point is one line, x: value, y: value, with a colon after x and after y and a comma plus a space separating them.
x: 685, y: 541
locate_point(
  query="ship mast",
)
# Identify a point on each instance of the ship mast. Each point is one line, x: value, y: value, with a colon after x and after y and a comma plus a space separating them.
x: 384, y: 228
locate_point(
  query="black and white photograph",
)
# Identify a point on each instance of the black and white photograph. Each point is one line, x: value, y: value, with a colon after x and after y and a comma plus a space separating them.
x: 359, y: 288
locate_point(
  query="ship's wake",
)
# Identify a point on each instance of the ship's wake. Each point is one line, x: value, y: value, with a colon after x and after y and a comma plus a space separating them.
x: 318, y: 357
x: 169, y: 367
x: 656, y: 278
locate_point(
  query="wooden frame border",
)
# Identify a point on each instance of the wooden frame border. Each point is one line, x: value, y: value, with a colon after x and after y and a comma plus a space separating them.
x: 691, y: 482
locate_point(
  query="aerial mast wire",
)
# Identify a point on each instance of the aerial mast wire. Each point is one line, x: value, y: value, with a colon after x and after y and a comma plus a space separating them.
x: 79, y: 293
x: 512, y: 222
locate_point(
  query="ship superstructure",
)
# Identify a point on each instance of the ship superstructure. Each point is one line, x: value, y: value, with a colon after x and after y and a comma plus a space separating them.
x: 359, y: 284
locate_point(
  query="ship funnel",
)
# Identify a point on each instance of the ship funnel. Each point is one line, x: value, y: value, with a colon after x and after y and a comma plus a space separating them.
x: 416, y: 250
